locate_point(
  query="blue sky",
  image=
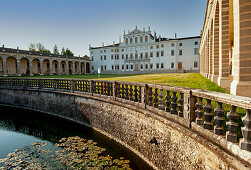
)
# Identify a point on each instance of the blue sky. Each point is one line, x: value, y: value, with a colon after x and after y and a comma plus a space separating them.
x: 77, y: 23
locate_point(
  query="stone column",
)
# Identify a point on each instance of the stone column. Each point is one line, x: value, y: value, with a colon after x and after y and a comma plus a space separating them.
x: 224, y: 80
x: 85, y: 67
x: 4, y: 67
x: 66, y: 67
x: 18, y: 67
x: 59, y: 68
x: 241, y: 84
x: 31, y: 70
x: 50, y: 67
x: 41, y: 67
x: 79, y: 68
x: 73, y: 68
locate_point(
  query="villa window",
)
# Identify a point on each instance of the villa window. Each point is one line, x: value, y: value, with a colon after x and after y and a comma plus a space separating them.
x: 157, y: 54
x: 162, y: 45
x: 111, y: 57
x: 92, y: 67
x: 146, y: 66
x: 127, y: 67
x: 122, y: 56
x: 126, y: 40
x: 141, y: 39
x: 172, y: 52
x: 172, y: 65
x: 101, y: 57
x: 162, y: 53
x: 157, y: 46
x: 132, y: 67
x: 127, y: 56
x: 105, y: 67
x: 146, y: 55
x: 141, y: 66
x: 111, y: 50
x: 141, y: 55
x: 151, y: 47
x: 162, y: 65
x: 122, y: 67
x: 131, y: 56
x: 151, y: 66
x: 196, y: 43
x: 151, y: 54
x: 180, y: 52
x: 180, y: 44
x: 196, y: 51
x: 104, y: 51
x: 195, y: 64
x: 112, y: 67
x: 136, y: 39
x: 172, y: 44
x: 146, y: 38
x: 136, y: 56
x: 157, y: 65
x: 104, y: 57
x: 130, y: 40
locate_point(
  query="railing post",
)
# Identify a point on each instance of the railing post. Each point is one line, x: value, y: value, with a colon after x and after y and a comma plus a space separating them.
x: 40, y: 84
x: 72, y: 85
x: 114, y: 89
x: 146, y: 95
x: 245, y: 143
x: 55, y: 84
x: 91, y: 87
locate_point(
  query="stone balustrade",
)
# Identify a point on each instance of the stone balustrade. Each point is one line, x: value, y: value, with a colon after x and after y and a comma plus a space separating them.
x: 225, y: 116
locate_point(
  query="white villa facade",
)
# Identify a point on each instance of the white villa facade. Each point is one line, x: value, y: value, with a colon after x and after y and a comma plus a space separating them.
x: 142, y: 52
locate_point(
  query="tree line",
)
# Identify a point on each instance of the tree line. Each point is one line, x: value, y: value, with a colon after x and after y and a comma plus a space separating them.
x: 38, y: 47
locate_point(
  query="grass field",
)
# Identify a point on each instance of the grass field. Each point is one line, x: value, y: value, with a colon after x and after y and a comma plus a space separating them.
x: 192, y: 80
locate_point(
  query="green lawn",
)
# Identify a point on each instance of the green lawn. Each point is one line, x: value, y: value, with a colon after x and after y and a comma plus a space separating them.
x: 192, y: 80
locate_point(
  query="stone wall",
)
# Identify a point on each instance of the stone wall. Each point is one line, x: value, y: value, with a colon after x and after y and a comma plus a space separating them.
x: 163, y: 143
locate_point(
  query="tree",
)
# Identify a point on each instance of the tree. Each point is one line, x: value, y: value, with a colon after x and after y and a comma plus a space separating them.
x: 68, y: 52
x: 63, y: 51
x: 32, y: 47
x: 55, y: 50
x: 40, y: 47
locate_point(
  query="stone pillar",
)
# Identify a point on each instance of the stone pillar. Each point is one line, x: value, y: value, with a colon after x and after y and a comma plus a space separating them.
x: 66, y: 67
x: 79, y: 68
x: 73, y: 68
x: 224, y: 80
x: 41, y: 67
x: 31, y: 70
x: 4, y: 67
x: 59, y: 68
x: 241, y: 84
x: 85, y: 67
x: 216, y: 45
x: 18, y: 67
x: 50, y: 67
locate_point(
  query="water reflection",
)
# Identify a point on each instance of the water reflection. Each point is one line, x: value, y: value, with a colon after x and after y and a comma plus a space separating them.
x: 52, y: 129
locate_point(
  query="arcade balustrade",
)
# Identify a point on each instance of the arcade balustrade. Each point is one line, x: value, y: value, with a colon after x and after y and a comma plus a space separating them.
x: 224, y: 115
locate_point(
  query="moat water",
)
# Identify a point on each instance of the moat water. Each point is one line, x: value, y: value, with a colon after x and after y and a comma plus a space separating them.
x: 20, y: 128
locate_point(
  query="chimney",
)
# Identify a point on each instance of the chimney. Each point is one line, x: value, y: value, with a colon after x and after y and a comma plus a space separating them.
x: 144, y: 29
x: 175, y: 35
x: 124, y: 32
x: 136, y: 27
x: 103, y: 44
x: 3, y: 45
x: 113, y: 42
x: 89, y: 45
x: 155, y: 35
x: 149, y: 29
x: 120, y: 39
x: 17, y: 48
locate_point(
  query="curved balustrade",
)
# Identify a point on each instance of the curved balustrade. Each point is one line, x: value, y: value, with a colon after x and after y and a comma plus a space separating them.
x: 220, y: 114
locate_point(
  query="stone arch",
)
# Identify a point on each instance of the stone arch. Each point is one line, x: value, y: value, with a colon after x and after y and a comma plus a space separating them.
x: 76, y: 67
x: 63, y: 67
x: 1, y: 66
x: 36, y: 66
x: 24, y: 66
x: 87, y: 67
x: 11, y: 66
x: 55, y: 66
x: 46, y: 66
x: 70, y: 67
x: 216, y: 42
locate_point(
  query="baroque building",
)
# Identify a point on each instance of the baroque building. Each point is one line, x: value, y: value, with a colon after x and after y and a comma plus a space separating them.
x: 225, y: 48
x: 142, y: 52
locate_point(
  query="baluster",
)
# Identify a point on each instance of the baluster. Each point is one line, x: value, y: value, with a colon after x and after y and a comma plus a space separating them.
x: 108, y: 89
x: 246, y: 131
x: 208, y: 123
x: 102, y: 88
x: 174, y: 104
x: 181, y: 101
x: 219, y: 120
x: 126, y: 92
x: 105, y: 88
x: 168, y: 102
x: 139, y: 91
x: 156, y: 98
x: 199, y: 112
x: 123, y: 92
x: 161, y: 101
x: 119, y: 92
x: 232, y: 125
x: 131, y: 93
x: 136, y: 94
x: 150, y: 98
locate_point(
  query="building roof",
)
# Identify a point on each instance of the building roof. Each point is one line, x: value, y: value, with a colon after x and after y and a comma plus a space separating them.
x: 12, y: 50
